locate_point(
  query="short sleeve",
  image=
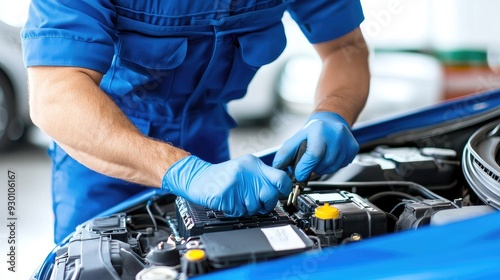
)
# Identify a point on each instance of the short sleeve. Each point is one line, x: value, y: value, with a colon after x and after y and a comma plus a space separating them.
x: 69, y: 33
x: 325, y: 20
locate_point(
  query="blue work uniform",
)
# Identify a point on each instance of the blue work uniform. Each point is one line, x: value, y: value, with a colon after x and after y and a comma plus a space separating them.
x: 171, y: 66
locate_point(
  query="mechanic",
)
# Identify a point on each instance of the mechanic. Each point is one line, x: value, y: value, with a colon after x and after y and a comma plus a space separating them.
x: 134, y: 94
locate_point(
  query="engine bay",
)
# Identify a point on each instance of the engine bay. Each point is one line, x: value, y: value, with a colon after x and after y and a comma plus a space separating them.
x: 393, y: 185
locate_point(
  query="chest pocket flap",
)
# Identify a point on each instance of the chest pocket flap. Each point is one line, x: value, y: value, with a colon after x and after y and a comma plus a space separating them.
x: 161, y: 53
x: 144, y: 65
x: 262, y: 47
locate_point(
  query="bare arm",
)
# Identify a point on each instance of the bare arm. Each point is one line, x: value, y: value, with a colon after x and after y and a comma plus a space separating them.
x: 345, y: 77
x: 342, y: 90
x: 67, y: 104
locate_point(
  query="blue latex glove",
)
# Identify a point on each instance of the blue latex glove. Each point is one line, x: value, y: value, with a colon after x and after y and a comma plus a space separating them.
x: 243, y: 186
x: 330, y: 146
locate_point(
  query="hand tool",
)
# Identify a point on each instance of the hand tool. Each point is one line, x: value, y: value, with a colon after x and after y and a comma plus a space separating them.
x: 292, y: 198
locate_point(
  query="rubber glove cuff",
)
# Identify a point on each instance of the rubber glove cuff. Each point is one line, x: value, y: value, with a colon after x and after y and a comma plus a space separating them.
x: 178, y: 176
x: 326, y: 117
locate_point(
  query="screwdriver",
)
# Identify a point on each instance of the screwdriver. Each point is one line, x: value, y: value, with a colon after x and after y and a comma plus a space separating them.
x: 292, y: 198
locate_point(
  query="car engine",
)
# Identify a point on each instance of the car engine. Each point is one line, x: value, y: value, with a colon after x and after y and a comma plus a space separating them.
x: 388, y: 188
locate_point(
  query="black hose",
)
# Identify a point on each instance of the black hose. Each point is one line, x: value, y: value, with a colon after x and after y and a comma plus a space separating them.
x: 148, y: 208
x: 423, y: 191
x: 391, y: 193
x: 392, y: 216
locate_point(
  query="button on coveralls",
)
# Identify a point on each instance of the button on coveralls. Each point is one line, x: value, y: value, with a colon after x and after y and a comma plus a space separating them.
x: 171, y: 66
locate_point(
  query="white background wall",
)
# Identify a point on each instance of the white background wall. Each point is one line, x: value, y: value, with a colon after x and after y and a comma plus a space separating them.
x: 438, y: 24
x: 394, y: 23
x: 14, y: 12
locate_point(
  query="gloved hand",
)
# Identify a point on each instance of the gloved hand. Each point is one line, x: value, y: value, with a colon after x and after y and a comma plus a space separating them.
x: 330, y: 146
x: 243, y: 186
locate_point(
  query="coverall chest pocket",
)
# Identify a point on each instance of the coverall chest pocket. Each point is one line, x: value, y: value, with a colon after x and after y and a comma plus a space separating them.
x: 262, y: 47
x: 254, y: 50
x: 145, y: 66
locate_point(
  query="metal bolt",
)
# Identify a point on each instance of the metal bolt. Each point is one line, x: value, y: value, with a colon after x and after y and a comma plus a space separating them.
x: 355, y: 237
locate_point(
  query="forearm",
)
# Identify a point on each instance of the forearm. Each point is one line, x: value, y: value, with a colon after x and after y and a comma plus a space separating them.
x: 344, y: 82
x: 68, y: 105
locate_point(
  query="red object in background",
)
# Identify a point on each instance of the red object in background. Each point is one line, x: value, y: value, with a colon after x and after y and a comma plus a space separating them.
x: 466, y: 72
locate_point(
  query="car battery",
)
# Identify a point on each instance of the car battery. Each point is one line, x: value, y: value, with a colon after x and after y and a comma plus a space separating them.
x: 194, y: 220
x: 356, y: 215
x: 228, y: 248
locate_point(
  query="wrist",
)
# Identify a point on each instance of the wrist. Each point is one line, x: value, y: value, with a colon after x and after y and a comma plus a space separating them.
x: 327, y: 115
x: 161, y: 157
x: 180, y: 174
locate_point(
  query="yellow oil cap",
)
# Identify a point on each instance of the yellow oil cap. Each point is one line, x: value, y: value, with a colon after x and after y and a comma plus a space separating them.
x: 194, y: 255
x: 326, y: 212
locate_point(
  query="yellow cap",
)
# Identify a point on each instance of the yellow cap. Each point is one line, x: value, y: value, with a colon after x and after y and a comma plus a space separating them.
x: 326, y: 212
x: 195, y: 255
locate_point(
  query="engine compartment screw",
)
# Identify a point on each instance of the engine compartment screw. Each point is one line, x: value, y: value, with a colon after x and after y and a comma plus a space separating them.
x: 355, y: 237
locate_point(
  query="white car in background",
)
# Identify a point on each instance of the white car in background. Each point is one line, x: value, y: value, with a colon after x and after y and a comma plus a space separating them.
x: 13, y: 87
x: 401, y: 81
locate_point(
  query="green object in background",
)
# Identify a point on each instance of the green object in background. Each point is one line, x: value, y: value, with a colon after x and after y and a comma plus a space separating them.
x: 449, y: 57
x: 462, y: 57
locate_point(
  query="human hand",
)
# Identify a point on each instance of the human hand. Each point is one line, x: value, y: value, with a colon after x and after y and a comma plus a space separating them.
x: 239, y: 187
x: 330, y: 146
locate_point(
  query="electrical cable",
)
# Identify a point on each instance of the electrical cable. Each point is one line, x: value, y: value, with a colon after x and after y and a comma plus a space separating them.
x: 158, y: 209
x: 391, y: 193
x: 392, y: 216
x: 148, y: 208
x: 401, y: 203
x: 173, y: 229
x: 411, y: 187
x: 144, y: 216
x: 318, y: 242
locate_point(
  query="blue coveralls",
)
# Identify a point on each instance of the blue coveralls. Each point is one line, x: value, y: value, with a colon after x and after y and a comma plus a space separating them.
x: 171, y: 66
